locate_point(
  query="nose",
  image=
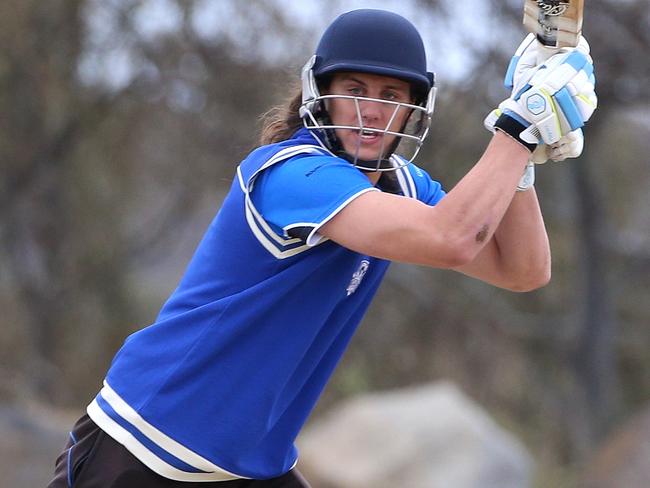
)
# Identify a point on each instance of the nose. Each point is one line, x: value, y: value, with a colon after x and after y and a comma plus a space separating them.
x: 370, y: 111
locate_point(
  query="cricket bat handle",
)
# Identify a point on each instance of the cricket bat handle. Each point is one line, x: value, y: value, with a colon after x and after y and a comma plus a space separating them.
x: 556, y: 23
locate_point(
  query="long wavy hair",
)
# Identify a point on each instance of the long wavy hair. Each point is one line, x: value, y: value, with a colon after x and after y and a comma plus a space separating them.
x: 280, y: 122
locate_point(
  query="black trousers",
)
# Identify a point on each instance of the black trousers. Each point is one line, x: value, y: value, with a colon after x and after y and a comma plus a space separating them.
x: 92, y: 459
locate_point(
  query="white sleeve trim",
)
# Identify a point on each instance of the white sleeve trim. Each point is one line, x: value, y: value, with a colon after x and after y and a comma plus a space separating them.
x: 240, y: 177
x: 314, y: 238
x: 279, y: 246
x: 407, y: 183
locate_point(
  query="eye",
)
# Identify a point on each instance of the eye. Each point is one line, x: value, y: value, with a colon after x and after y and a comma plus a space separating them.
x: 394, y: 96
x: 355, y: 91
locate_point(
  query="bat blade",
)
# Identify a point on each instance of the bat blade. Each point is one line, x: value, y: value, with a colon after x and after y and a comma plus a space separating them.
x: 556, y: 23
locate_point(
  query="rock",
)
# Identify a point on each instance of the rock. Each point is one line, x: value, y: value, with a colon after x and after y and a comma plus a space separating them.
x: 622, y: 461
x: 426, y: 437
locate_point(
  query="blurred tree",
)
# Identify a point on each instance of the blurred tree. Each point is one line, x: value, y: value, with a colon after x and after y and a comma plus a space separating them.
x: 621, y: 82
x: 44, y: 118
x: 113, y: 133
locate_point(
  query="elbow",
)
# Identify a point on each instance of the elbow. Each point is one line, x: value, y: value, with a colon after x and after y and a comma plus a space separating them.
x: 456, y: 253
x: 532, y: 280
x: 543, y: 279
x: 460, y: 257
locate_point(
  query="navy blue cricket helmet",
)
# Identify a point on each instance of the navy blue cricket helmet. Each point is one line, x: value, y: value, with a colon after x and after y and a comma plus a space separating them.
x: 376, y: 42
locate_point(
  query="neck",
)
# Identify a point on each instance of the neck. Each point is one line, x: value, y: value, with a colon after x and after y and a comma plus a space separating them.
x: 374, y: 176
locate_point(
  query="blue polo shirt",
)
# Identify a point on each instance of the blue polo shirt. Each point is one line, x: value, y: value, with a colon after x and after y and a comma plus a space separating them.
x: 219, y: 386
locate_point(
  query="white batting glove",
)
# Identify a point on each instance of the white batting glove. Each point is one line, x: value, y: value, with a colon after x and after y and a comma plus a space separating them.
x: 527, y: 180
x: 558, y: 99
x: 530, y: 56
x: 570, y: 146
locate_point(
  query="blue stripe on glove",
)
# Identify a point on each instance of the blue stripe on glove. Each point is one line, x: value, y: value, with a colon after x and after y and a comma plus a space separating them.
x: 550, y: 100
x: 568, y: 108
x: 517, y: 117
x: 510, y: 74
x: 522, y: 91
x: 577, y: 60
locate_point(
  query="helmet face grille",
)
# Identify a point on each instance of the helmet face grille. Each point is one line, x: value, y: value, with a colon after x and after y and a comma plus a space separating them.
x: 405, y: 142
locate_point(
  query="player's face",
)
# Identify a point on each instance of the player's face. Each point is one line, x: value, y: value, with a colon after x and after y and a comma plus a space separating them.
x: 367, y: 145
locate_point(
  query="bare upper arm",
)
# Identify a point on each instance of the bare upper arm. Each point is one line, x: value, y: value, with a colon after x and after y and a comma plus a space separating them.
x: 393, y: 227
x: 450, y: 234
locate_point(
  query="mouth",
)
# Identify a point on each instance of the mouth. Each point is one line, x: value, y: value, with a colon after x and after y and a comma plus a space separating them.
x: 367, y: 143
x: 369, y: 136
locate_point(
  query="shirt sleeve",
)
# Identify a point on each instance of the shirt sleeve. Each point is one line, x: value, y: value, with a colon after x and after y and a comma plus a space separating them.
x: 427, y: 190
x: 298, y: 196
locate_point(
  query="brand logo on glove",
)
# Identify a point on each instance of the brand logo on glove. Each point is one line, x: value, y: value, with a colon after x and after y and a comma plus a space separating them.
x: 553, y: 8
x: 536, y: 104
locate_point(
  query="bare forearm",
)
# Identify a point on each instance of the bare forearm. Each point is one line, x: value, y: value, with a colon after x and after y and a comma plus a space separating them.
x: 447, y: 235
x: 475, y: 207
x: 518, y: 256
x: 522, y: 240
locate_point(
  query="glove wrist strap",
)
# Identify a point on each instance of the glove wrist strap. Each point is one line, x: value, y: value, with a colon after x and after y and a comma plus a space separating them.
x: 513, y: 128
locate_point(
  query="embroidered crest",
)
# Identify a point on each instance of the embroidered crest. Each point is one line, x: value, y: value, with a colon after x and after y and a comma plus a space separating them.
x: 357, y: 276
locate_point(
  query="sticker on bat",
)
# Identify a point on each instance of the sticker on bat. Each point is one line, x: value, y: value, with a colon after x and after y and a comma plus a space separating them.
x: 553, y: 8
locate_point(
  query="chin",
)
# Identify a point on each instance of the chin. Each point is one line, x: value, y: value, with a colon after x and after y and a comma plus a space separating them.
x: 364, y: 155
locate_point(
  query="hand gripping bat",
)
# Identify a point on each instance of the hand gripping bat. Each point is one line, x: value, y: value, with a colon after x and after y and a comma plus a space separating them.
x: 556, y: 23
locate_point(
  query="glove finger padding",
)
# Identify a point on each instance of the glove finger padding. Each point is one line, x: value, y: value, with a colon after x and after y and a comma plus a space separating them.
x: 523, y: 64
x: 540, y: 155
x: 530, y: 56
x: 570, y: 146
x: 581, y: 89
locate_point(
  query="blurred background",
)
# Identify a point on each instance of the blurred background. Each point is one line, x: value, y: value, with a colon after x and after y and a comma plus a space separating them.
x: 122, y: 123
